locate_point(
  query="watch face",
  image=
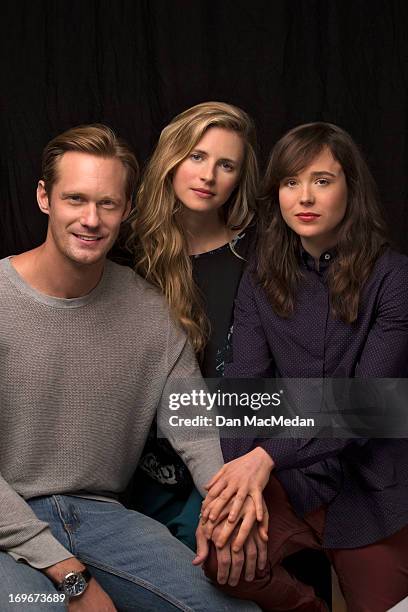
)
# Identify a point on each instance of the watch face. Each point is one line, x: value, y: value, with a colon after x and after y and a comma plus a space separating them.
x: 74, y: 584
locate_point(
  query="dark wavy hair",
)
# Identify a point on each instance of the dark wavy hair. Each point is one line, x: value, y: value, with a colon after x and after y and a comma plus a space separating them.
x: 362, y: 235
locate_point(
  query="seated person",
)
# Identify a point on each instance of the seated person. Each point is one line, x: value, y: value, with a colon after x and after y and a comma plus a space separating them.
x: 87, y: 351
x: 326, y: 297
x: 191, y: 238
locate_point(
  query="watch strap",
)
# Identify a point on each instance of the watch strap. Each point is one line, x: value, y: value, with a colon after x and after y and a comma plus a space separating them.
x: 86, y: 574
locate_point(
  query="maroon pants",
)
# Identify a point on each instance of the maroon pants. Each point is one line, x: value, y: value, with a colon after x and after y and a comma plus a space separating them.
x: 373, y: 578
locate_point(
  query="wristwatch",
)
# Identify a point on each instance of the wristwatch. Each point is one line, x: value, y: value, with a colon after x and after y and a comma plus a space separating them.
x: 75, y: 583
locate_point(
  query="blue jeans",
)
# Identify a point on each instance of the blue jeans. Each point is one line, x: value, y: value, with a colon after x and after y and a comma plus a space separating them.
x: 135, y: 559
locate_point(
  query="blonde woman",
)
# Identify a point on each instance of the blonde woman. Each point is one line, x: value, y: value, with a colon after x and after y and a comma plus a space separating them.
x: 192, y: 234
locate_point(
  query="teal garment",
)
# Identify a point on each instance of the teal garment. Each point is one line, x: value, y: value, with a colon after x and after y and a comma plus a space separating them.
x: 177, y: 510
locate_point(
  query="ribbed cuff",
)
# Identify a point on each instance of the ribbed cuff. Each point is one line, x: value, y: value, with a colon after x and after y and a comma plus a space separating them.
x: 40, y: 551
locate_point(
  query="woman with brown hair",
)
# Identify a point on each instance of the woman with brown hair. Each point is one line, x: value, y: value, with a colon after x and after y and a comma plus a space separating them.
x: 326, y: 297
x: 191, y: 237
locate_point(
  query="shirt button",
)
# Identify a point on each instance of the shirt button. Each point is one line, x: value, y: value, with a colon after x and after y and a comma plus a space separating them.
x: 327, y: 256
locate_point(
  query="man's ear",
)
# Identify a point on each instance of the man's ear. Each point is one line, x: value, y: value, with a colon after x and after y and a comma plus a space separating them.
x: 42, y: 198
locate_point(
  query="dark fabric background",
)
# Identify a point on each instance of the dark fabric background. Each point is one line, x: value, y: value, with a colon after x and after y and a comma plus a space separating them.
x: 134, y: 64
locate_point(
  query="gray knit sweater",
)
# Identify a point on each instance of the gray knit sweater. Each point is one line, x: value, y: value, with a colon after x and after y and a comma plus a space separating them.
x: 80, y: 382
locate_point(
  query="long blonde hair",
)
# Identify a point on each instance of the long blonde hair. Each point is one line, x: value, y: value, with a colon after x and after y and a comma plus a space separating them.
x: 158, y: 239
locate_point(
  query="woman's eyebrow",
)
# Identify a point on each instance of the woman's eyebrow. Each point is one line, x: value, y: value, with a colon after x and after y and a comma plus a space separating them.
x: 321, y: 172
x: 227, y: 159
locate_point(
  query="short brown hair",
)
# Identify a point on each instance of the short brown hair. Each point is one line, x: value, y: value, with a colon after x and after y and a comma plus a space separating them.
x: 96, y: 139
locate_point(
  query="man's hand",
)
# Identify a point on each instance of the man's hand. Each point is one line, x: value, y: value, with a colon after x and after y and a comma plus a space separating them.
x: 94, y: 598
x: 242, y: 526
x: 251, y: 556
x: 247, y: 475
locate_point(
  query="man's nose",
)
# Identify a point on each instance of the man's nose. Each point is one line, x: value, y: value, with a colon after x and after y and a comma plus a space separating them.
x: 90, y: 215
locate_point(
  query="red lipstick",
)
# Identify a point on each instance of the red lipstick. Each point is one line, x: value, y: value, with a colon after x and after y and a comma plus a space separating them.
x: 307, y: 216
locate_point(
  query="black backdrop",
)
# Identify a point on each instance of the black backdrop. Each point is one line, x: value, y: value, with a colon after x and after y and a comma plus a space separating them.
x: 136, y: 63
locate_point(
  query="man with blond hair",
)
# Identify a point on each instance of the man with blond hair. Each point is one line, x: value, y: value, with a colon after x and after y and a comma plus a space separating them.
x: 87, y: 349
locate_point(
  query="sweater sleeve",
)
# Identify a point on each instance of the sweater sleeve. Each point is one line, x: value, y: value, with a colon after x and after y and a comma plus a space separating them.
x: 198, y: 447
x: 23, y: 535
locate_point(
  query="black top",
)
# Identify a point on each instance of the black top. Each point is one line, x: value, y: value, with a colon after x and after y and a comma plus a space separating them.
x: 217, y: 273
x: 365, y: 482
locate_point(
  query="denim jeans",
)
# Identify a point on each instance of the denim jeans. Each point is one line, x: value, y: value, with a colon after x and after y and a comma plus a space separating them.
x: 135, y: 559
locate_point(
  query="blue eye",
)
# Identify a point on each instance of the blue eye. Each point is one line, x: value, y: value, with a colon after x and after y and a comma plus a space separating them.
x: 196, y: 156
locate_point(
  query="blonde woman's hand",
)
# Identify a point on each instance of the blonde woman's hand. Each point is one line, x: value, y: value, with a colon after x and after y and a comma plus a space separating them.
x: 247, y: 475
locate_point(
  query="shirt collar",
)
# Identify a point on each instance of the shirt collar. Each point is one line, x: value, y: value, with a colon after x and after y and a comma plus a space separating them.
x: 325, y: 259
